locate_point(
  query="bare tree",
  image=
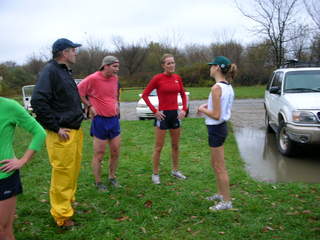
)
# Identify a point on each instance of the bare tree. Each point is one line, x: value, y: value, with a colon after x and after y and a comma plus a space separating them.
x: 299, y: 48
x: 315, y: 49
x: 313, y: 8
x: 255, y: 65
x: 89, y: 58
x: 230, y: 49
x: 173, y: 41
x: 34, y: 64
x: 224, y: 35
x: 274, y: 19
x: 132, y: 55
x: 196, y: 53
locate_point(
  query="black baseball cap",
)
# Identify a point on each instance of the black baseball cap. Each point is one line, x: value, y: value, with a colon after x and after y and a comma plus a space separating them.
x: 63, y: 43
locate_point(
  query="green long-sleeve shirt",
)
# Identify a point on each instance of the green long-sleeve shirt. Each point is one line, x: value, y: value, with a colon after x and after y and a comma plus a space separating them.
x: 12, y: 114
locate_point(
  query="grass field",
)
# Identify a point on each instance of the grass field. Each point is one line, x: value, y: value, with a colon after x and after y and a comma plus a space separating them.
x: 199, y: 93
x: 196, y: 93
x: 173, y: 210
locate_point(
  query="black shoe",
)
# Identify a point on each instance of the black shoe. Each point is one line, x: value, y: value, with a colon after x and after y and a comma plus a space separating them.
x: 113, y: 182
x: 101, y: 187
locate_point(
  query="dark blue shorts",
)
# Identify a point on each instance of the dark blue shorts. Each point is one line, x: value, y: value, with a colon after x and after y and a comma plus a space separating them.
x: 10, y: 186
x: 217, y: 134
x: 105, y: 127
x: 171, y: 120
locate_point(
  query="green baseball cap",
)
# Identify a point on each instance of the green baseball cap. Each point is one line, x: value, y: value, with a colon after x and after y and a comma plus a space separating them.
x: 221, y: 61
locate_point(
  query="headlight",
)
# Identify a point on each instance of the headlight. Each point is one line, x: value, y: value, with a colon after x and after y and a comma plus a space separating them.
x: 303, y: 117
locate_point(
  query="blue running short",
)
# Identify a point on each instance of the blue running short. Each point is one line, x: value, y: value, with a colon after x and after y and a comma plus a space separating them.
x: 217, y: 134
x: 105, y: 127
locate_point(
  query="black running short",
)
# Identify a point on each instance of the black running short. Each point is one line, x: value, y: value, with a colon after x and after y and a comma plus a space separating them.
x: 217, y: 134
x: 170, y: 121
x: 10, y: 186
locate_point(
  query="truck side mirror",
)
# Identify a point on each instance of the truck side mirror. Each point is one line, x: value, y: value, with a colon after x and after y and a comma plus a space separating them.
x: 275, y: 90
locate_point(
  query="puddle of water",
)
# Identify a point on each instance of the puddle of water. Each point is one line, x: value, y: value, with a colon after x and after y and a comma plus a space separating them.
x: 265, y: 163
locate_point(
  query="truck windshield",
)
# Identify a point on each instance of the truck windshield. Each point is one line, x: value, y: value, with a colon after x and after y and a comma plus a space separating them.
x: 302, y: 81
x: 27, y: 90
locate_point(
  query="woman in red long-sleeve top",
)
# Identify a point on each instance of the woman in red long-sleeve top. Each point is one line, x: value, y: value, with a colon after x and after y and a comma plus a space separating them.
x: 168, y: 86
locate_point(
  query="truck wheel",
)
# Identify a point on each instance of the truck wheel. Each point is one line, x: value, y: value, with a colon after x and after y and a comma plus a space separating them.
x: 267, y: 123
x: 285, y: 144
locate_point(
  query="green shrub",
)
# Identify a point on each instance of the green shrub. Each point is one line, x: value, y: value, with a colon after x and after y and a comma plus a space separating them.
x: 195, y: 75
x: 14, y: 78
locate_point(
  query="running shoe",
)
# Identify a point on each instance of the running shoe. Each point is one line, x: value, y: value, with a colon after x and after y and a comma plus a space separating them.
x: 101, y: 187
x: 178, y: 174
x: 113, y: 182
x: 68, y: 224
x: 216, y: 196
x: 155, y: 178
x: 223, y: 205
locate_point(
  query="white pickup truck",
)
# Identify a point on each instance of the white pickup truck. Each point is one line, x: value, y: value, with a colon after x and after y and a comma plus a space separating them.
x: 27, y: 94
x: 26, y: 97
x: 292, y: 107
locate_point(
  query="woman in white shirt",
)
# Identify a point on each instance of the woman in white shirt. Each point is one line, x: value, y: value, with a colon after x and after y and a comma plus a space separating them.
x: 217, y: 112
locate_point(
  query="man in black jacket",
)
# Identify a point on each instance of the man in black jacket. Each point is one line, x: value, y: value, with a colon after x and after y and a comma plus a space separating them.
x: 56, y: 103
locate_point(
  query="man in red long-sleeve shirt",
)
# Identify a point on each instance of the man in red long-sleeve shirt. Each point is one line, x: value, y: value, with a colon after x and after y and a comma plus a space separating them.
x: 168, y: 86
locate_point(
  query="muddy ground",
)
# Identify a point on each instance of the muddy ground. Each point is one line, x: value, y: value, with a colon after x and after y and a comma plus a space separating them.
x: 258, y: 149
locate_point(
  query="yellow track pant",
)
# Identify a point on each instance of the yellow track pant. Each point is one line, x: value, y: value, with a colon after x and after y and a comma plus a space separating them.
x: 65, y: 158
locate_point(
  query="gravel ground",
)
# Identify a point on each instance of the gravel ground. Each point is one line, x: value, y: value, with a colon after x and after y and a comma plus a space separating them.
x: 245, y: 112
x: 248, y: 113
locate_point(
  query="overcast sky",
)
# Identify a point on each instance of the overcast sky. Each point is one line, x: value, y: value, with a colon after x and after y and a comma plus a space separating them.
x: 31, y: 26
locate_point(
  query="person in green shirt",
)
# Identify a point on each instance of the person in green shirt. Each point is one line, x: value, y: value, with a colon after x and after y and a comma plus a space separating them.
x: 12, y: 114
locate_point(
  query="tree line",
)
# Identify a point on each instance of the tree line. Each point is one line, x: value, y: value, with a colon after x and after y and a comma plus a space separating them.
x: 279, y: 27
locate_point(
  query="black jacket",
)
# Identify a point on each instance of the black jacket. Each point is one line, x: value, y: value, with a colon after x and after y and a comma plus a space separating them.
x: 55, y: 98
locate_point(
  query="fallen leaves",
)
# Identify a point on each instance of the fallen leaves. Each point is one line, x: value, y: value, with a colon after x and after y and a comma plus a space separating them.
x: 298, y: 212
x: 140, y: 195
x: 143, y: 230
x: 148, y: 204
x: 200, y: 222
x: 124, y: 218
x: 267, y: 229
x: 306, y: 212
x: 88, y: 211
x: 193, y: 233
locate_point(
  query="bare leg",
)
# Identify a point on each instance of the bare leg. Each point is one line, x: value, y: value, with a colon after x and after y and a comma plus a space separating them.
x: 7, y: 211
x: 160, y: 137
x: 175, y: 138
x: 99, y: 148
x: 114, y: 145
x: 218, y: 164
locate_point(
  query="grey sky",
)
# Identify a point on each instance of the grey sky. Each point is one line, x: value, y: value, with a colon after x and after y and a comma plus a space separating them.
x: 31, y: 26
